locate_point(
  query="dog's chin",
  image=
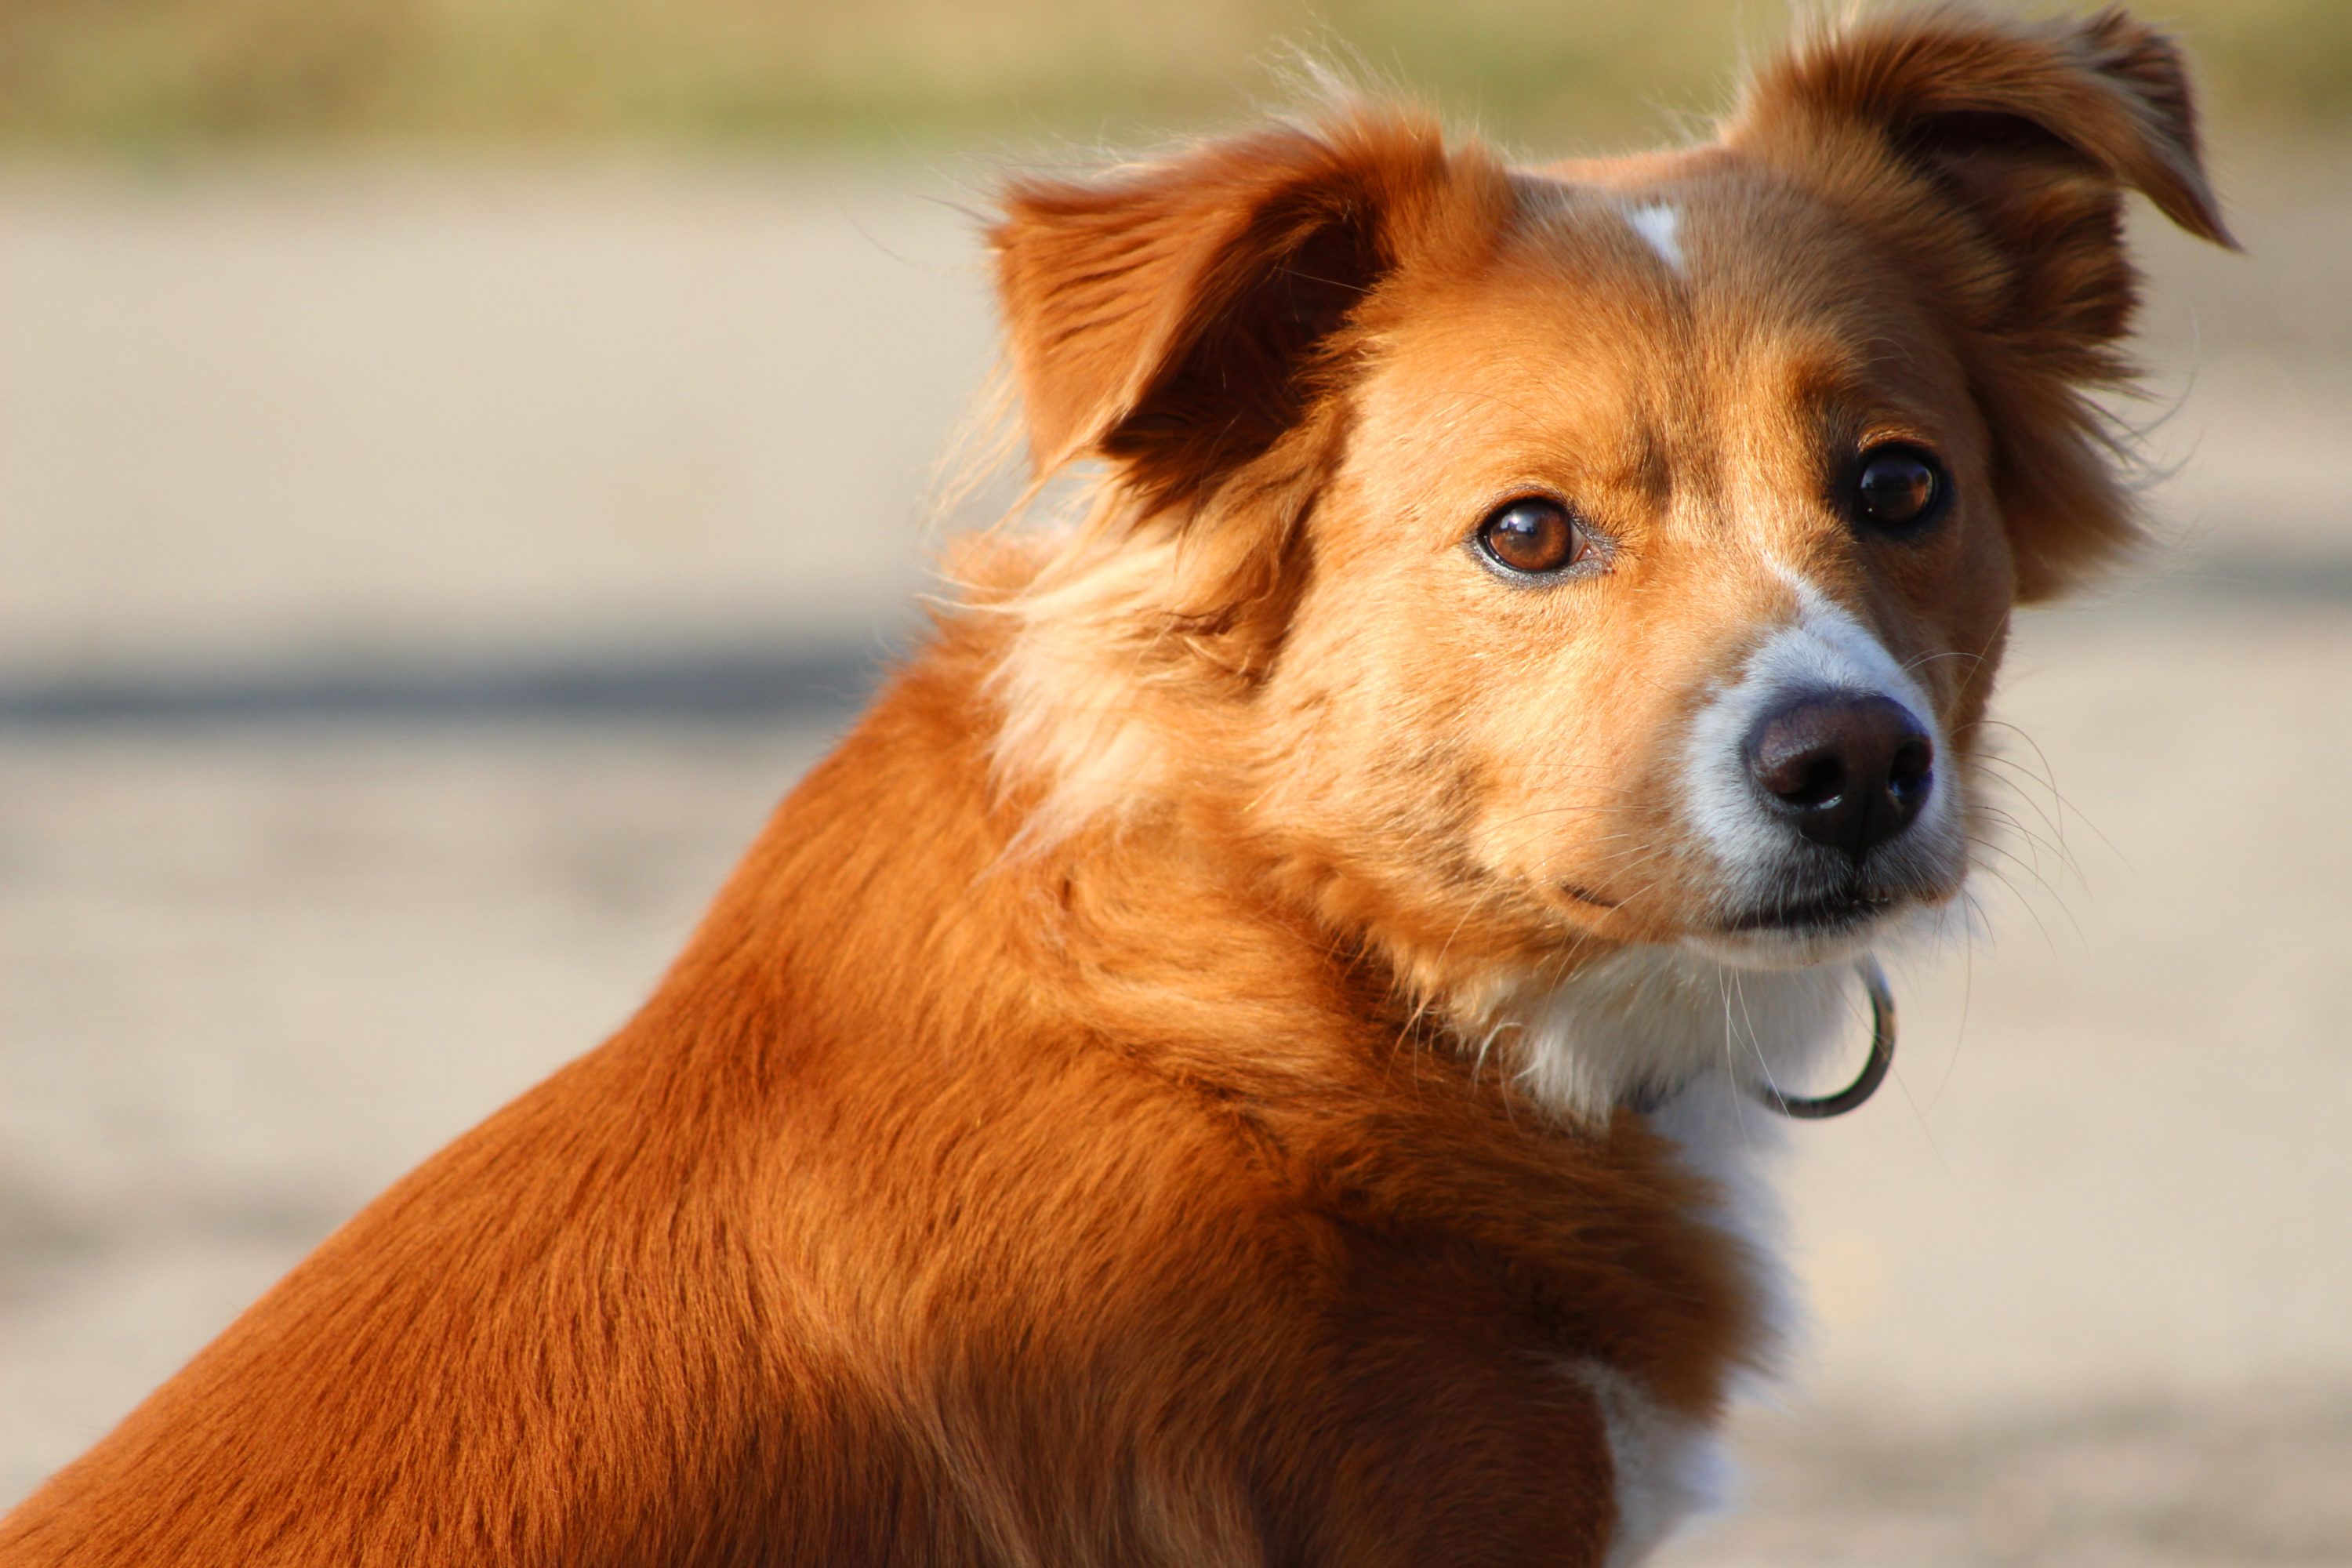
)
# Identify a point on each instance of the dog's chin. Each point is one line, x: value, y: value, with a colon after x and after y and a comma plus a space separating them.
x: 1779, y: 948
x: 1833, y: 928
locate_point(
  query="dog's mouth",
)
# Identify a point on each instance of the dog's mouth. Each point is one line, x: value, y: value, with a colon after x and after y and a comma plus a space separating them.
x: 1836, y: 913
x: 1829, y: 912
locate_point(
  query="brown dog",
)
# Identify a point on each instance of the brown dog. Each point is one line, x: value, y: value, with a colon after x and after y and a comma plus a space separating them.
x: 1254, y: 1049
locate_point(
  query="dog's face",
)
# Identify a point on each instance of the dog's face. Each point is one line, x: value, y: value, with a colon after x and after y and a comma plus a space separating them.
x: 1656, y: 594
x: 1536, y: 564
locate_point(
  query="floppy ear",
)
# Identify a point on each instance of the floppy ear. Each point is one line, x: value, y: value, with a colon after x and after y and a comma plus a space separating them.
x: 1173, y: 318
x: 1192, y: 322
x: 1994, y: 154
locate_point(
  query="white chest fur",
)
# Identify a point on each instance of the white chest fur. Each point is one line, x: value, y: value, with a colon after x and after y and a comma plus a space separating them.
x: 1690, y: 1037
x: 1652, y: 1023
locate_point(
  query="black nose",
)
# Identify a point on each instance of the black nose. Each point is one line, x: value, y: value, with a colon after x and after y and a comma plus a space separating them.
x: 1851, y: 769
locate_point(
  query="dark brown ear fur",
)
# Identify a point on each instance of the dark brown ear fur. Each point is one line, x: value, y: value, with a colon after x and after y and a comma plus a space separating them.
x: 1170, y: 317
x: 1188, y: 321
x: 1995, y: 153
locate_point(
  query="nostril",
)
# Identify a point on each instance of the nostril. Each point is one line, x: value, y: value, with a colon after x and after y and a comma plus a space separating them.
x: 1914, y: 763
x: 1808, y: 779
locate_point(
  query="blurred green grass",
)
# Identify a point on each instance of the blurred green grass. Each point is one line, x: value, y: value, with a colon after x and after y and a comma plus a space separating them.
x: 154, y: 75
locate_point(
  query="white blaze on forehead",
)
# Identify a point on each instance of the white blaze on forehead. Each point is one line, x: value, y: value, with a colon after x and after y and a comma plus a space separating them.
x: 1658, y: 223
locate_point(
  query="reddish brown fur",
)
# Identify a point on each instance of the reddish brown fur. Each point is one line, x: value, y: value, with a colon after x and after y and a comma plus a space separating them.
x: 1059, y: 1143
x: 1998, y: 173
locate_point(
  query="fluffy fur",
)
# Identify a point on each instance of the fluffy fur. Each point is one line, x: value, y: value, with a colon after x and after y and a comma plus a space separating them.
x: 1245, y: 1055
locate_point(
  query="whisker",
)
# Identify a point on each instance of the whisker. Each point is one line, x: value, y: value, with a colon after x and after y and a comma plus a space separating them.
x: 2056, y: 894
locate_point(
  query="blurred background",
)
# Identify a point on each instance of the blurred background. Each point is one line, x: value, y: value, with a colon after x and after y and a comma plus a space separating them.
x: 459, y: 460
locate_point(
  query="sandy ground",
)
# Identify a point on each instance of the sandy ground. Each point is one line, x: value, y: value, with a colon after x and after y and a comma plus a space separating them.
x: 2082, y: 1281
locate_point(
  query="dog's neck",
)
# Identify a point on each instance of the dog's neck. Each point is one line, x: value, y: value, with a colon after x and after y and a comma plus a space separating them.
x: 1642, y: 1025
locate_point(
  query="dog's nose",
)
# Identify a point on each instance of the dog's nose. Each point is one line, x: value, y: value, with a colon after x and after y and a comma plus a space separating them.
x: 1851, y: 770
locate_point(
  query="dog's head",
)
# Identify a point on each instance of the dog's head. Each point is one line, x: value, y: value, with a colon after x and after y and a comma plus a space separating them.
x: 1527, y: 563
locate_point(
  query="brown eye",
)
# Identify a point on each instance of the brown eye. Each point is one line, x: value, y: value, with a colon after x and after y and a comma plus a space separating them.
x: 1896, y: 487
x: 1532, y: 535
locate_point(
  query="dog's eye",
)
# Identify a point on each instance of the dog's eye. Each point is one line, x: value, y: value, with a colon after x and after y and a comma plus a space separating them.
x: 1532, y: 535
x: 1897, y: 487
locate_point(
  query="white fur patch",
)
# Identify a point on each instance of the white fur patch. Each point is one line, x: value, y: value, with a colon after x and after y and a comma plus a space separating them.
x: 1658, y: 223
x: 1647, y: 1021
x: 1669, y: 1005
x: 1676, y: 1020
x: 1668, y: 1469
x: 1724, y: 1135
x: 1703, y: 1037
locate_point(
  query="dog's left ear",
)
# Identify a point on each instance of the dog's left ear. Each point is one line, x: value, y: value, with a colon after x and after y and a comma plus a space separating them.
x: 1993, y: 154
x: 1194, y: 323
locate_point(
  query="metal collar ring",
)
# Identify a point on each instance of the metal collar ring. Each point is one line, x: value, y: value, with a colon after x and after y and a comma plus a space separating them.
x: 1806, y: 1108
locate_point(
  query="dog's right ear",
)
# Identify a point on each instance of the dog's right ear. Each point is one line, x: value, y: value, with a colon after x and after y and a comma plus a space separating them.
x: 1173, y: 318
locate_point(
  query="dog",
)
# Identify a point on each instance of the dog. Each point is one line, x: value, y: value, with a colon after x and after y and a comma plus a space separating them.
x: 1262, y: 1046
